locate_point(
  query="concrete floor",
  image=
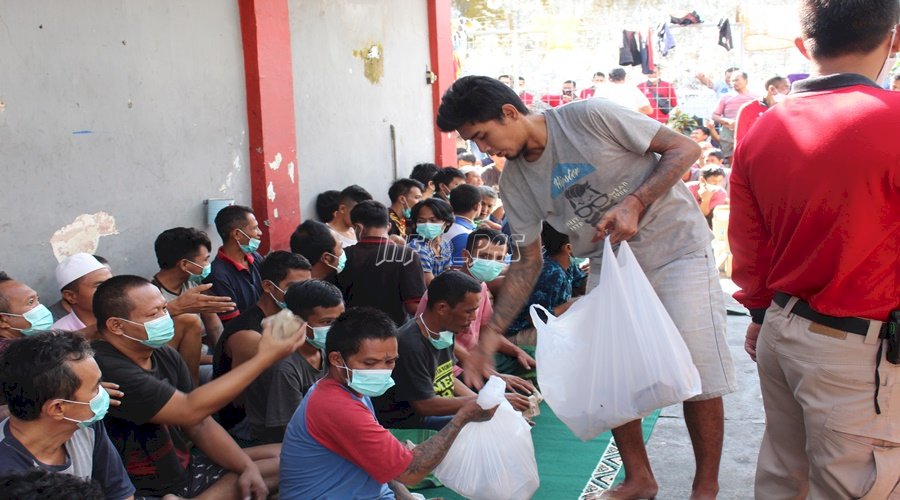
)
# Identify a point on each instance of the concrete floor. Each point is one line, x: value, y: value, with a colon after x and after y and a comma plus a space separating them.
x: 670, y: 447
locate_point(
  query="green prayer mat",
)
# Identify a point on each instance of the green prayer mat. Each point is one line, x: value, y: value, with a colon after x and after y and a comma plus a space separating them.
x: 567, y: 465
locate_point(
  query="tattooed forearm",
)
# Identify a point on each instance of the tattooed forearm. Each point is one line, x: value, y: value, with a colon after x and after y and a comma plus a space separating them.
x: 678, y: 154
x: 517, y: 287
x: 427, y: 455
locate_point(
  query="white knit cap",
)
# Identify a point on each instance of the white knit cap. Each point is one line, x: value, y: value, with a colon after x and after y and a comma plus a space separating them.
x: 74, y: 267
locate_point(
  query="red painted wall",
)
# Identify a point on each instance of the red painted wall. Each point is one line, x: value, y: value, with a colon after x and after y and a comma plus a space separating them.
x: 441, y: 47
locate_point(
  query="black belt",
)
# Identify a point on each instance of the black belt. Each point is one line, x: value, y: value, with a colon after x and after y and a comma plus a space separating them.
x: 858, y: 326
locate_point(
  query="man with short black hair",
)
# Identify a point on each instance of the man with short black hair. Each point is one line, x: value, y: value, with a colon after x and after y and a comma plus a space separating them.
x: 272, y: 398
x: 777, y: 89
x: 162, y: 414
x: 597, y: 80
x: 593, y: 170
x: 380, y: 273
x: 709, y: 191
x: 182, y: 254
x: 240, y: 340
x: 424, y: 173
x: 726, y: 111
x: 341, y: 225
x: 427, y: 393
x: 623, y: 93
x: 506, y: 80
x: 235, y: 270
x: 466, y: 203
x: 404, y: 194
x: 661, y: 95
x: 334, y: 446
x: 327, y: 205
x: 317, y: 243
x: 56, y: 403
x: 815, y: 251
x: 446, y: 181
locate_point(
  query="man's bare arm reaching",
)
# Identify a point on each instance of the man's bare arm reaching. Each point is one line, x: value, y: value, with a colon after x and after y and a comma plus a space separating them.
x: 520, y: 279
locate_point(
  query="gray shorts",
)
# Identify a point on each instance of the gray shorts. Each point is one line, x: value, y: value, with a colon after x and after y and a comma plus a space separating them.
x: 689, y: 289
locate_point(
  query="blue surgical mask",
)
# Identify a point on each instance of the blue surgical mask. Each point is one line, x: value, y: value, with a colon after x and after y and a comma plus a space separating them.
x: 159, y: 331
x: 39, y: 316
x: 99, y: 405
x: 342, y: 261
x: 407, y: 213
x: 372, y: 383
x: 429, y: 230
x: 485, y: 270
x: 320, y: 333
x: 251, y: 245
x: 444, y: 340
x: 280, y: 303
x: 578, y: 261
x: 198, y: 278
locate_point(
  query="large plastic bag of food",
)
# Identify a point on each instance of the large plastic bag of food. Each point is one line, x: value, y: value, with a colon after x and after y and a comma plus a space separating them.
x: 492, y: 460
x: 615, y: 355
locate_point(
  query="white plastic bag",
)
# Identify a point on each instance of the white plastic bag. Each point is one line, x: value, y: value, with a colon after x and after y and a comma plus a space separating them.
x: 492, y: 460
x: 615, y: 355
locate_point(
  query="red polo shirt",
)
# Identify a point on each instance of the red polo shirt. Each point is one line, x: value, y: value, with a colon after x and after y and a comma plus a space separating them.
x: 815, y: 200
x: 747, y: 116
x: 662, y: 90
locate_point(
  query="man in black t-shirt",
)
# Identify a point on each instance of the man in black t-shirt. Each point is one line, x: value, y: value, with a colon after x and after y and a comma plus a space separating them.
x: 161, y: 415
x: 381, y: 274
x: 426, y: 394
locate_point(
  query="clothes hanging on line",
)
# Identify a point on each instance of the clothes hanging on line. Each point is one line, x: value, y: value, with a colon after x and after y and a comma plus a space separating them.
x: 665, y: 38
x: 725, y: 34
x: 647, y: 64
x: 630, y: 52
x: 687, y: 19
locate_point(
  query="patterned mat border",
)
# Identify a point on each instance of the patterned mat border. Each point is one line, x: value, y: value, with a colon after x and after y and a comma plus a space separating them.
x: 605, y: 473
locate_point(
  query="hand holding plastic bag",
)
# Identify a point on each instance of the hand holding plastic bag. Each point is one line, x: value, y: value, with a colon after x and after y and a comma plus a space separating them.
x: 615, y: 355
x: 492, y: 460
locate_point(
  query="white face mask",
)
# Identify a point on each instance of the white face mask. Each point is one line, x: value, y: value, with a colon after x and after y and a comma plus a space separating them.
x: 889, y: 62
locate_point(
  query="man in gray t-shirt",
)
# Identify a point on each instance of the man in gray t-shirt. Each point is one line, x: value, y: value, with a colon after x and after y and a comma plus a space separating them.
x: 593, y: 169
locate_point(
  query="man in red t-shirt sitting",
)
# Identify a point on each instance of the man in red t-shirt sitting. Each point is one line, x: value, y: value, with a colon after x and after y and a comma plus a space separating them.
x: 708, y: 191
x: 334, y: 447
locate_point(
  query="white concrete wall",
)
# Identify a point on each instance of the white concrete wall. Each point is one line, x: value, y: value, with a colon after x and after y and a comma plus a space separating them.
x: 134, y: 109
x: 343, y: 118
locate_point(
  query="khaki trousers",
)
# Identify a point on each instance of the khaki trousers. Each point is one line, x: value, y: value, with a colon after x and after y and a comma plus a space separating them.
x: 823, y: 439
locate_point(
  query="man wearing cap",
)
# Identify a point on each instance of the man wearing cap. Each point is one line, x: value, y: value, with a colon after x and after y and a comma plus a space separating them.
x: 78, y: 276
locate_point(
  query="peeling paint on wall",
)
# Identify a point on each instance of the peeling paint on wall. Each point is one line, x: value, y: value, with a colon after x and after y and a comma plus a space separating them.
x: 82, y: 235
x: 235, y: 167
x: 372, y: 56
x: 275, y: 213
x: 291, y: 171
x: 270, y: 191
x: 276, y: 163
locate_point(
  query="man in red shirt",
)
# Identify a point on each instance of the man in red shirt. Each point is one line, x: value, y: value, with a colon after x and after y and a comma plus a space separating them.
x: 815, y: 235
x: 661, y: 96
x: 777, y: 89
x: 598, y: 79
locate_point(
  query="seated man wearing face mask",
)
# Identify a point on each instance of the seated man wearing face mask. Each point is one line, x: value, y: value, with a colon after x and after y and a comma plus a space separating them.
x: 272, y: 398
x: 162, y: 416
x: 483, y: 259
x: 235, y: 270
x: 240, y: 340
x: 21, y: 311
x: 56, y: 408
x: 427, y: 394
x: 334, y: 447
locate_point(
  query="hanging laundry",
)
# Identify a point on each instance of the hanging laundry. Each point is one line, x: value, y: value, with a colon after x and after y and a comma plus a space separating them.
x: 647, y: 65
x: 666, y: 39
x: 629, y: 52
x: 725, y: 34
x: 687, y: 19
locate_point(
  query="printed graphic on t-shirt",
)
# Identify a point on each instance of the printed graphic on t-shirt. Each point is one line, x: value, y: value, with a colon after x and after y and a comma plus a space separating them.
x: 567, y: 174
x: 589, y: 203
x: 443, y: 380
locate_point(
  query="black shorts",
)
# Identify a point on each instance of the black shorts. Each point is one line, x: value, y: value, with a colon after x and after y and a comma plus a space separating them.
x: 202, y: 473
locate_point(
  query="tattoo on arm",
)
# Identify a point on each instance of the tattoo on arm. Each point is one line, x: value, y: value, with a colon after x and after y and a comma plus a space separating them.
x: 678, y: 154
x: 429, y: 454
x: 517, y: 287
